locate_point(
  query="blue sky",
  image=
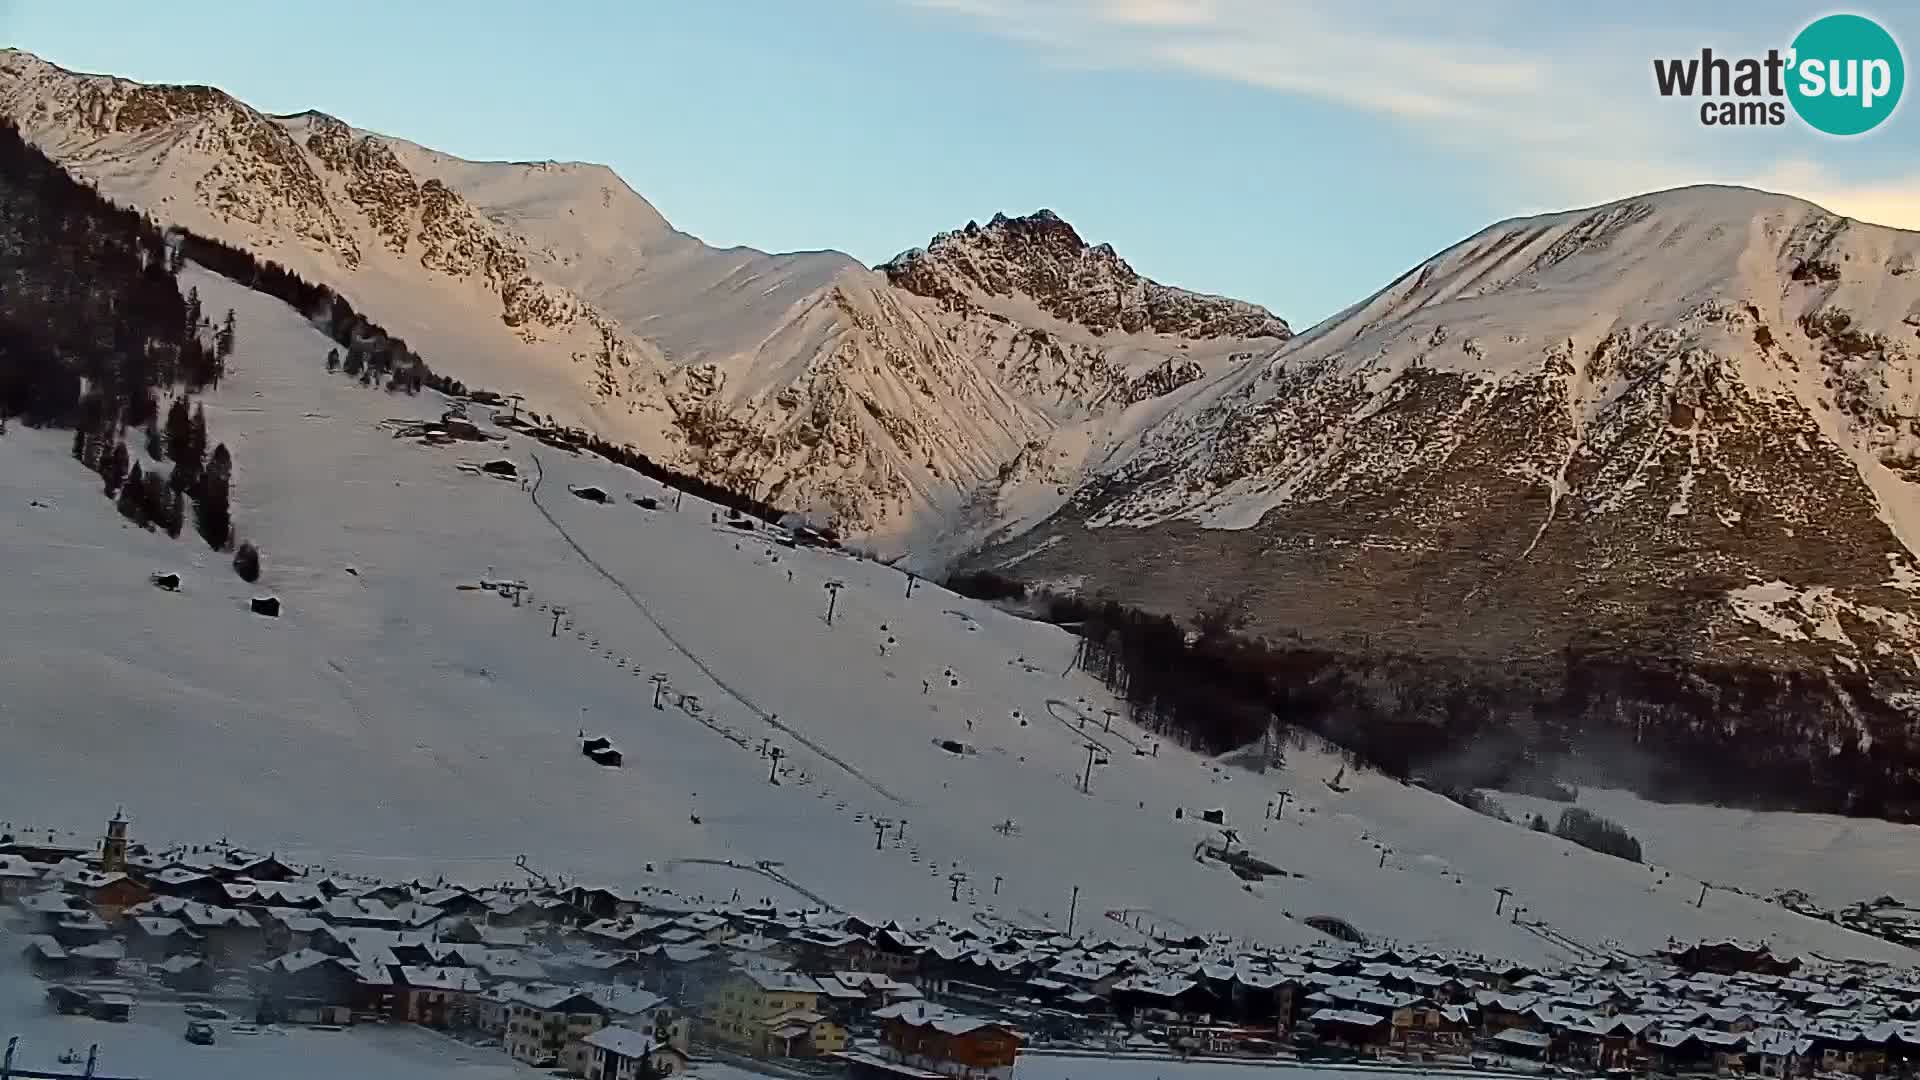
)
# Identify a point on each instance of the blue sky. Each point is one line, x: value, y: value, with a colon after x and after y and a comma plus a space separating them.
x: 1300, y: 153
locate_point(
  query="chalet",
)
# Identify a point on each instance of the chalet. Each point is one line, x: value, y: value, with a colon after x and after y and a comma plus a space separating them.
x: 186, y: 884
x: 1424, y: 1026
x: 952, y: 1044
x: 682, y: 972
x: 623, y: 1053
x: 706, y: 926
x: 1730, y: 957
x: 81, y: 928
x: 184, y: 974
x: 109, y: 895
x: 821, y: 950
x: 1350, y: 1028
x: 546, y: 1026
x: 100, y: 958
x: 232, y: 937
x: 459, y: 903
x: 46, y: 956
x: 438, y: 997
x: 155, y: 937
x: 18, y: 877
x: 1779, y: 1055
x: 800, y: 1033
x: 603, y: 903
x: 307, y: 983
x: 44, y: 852
x: 1520, y: 1042
x: 234, y: 864
x: 1163, y: 999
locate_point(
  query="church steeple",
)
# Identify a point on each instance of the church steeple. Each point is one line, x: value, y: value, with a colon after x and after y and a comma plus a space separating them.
x: 113, y: 850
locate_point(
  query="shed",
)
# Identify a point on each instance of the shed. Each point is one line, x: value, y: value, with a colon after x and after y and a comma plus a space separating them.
x: 266, y: 605
x: 169, y: 582
x: 501, y: 467
x: 590, y: 493
x: 600, y: 751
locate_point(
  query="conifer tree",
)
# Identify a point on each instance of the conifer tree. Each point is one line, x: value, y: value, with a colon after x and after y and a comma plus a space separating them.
x: 197, y: 443
x: 176, y: 516
x: 156, y: 450
x: 193, y: 311
x: 224, y: 337
x: 79, y: 444
x: 246, y: 563
x: 179, y: 430
x: 333, y: 361
x: 212, y: 512
x: 131, y: 502
x: 114, y: 467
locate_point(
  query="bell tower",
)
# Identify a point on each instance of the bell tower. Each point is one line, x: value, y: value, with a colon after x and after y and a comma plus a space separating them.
x: 113, y: 849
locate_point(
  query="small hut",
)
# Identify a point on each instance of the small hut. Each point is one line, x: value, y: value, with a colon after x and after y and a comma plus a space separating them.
x: 600, y: 751
x: 169, y: 582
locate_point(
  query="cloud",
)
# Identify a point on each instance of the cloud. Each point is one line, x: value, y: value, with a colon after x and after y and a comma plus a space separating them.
x: 1894, y: 202
x: 1550, y: 111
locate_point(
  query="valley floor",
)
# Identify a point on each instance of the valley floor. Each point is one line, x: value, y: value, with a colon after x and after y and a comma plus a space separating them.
x: 391, y: 722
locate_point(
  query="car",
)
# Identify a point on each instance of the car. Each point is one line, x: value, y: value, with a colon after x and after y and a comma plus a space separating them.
x: 200, y: 1033
x: 207, y: 1012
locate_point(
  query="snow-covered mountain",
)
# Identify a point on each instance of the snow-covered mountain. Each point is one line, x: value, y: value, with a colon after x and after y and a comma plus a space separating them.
x: 805, y: 378
x: 397, y: 719
x: 1684, y: 426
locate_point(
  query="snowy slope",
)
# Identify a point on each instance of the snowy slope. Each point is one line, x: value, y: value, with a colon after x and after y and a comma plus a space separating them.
x: 392, y: 722
x: 804, y: 378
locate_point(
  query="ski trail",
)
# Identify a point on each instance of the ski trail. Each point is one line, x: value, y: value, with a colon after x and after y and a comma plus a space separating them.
x: 539, y: 475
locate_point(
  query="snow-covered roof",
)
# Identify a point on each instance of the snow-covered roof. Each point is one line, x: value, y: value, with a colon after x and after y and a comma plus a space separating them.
x: 781, y: 981
x: 621, y: 1041
x: 456, y: 979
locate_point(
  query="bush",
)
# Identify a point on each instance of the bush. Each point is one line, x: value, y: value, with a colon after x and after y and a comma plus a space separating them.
x: 246, y: 563
x: 1596, y: 833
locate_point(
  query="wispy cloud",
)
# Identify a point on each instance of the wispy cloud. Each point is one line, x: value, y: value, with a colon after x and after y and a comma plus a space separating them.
x: 1550, y: 112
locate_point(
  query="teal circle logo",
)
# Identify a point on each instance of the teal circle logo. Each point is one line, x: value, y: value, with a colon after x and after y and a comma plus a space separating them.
x: 1847, y: 74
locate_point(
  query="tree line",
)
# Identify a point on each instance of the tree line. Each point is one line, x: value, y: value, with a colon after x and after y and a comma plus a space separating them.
x: 1671, y: 729
x: 95, y: 335
x: 371, y: 354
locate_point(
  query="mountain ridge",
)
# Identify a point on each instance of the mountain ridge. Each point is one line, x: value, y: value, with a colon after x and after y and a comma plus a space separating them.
x: 801, y: 377
x: 1675, y: 430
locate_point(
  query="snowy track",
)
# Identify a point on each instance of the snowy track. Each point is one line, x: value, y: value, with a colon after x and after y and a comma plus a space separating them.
x: 533, y: 490
x: 771, y: 875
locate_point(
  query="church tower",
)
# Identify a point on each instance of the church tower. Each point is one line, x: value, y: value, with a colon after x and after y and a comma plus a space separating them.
x: 113, y: 850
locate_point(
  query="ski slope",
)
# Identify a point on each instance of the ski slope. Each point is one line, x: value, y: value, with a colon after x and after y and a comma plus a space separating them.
x: 393, y: 723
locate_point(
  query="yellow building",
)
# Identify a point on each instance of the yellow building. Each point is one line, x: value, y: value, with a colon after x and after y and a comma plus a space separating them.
x: 772, y: 1014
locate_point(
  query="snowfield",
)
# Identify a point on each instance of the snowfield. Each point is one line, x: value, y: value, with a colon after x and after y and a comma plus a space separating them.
x: 393, y: 723
x: 151, y: 1046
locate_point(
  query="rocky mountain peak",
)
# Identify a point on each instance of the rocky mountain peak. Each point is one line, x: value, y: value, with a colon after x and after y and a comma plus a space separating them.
x: 1040, y: 258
